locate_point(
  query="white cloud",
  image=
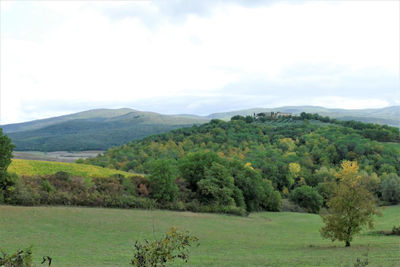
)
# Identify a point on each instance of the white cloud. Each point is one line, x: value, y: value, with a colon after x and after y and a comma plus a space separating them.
x: 86, y: 55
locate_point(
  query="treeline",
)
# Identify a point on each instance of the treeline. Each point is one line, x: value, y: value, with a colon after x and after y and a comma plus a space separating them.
x: 372, y: 131
x: 286, y: 152
x: 200, y: 182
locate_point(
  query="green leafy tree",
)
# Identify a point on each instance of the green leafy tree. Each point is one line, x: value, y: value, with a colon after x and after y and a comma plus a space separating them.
x: 307, y: 197
x: 217, y: 187
x: 192, y: 167
x: 7, y: 182
x: 162, y: 179
x: 351, y: 207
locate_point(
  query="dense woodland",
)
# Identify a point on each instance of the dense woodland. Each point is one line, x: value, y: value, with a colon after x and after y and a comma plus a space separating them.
x: 297, y: 156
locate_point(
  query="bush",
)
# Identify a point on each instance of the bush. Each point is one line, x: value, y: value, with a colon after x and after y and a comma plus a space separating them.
x: 390, y: 188
x: 272, y: 200
x: 290, y: 206
x: 307, y: 197
x: 21, y: 258
x: 396, y: 230
x: 64, y: 176
x: 8, y: 183
x: 173, y: 245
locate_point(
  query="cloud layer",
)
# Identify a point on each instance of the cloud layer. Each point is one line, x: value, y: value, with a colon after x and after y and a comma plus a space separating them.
x: 196, y: 56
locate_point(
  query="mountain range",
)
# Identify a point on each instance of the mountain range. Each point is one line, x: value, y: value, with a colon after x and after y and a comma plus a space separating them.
x: 100, y: 129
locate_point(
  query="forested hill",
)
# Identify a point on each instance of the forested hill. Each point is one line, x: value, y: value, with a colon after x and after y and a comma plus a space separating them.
x: 101, y: 129
x: 94, y: 129
x: 388, y: 115
x: 270, y: 145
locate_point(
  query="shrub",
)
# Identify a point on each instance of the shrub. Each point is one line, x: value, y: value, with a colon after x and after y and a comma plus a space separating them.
x: 8, y: 184
x: 173, y: 245
x: 307, y: 197
x: 21, y: 258
x: 396, y: 230
x: 290, y: 206
x: 63, y: 176
x: 390, y: 188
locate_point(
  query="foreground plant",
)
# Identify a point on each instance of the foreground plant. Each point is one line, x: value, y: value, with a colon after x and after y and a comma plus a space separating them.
x: 21, y: 258
x: 174, y: 244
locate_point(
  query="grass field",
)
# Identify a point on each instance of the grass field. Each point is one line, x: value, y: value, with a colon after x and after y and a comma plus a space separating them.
x: 37, y: 167
x: 104, y: 237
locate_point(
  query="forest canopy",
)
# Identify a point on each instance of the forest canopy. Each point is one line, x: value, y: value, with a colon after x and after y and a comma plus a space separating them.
x: 283, y: 153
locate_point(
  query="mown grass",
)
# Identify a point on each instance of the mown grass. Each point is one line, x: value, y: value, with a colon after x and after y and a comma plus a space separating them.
x: 38, y: 167
x: 104, y: 237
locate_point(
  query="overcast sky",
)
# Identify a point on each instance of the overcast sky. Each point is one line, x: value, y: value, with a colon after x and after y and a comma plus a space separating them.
x: 198, y: 57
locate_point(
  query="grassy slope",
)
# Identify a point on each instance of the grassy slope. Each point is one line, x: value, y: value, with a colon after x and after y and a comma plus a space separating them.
x: 104, y: 237
x: 37, y: 167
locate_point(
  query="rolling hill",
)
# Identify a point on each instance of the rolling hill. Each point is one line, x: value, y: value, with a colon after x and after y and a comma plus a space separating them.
x: 93, y: 129
x: 101, y: 129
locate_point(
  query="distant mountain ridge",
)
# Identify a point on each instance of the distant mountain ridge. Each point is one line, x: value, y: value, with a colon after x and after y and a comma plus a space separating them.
x: 100, y: 129
x: 97, y: 129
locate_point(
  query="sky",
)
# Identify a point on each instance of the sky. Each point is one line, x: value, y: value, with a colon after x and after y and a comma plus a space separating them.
x: 196, y: 57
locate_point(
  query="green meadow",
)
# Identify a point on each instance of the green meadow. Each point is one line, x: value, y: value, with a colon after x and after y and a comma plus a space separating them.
x: 104, y: 237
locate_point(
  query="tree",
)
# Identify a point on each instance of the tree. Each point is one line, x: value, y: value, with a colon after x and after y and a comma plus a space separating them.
x: 6, y: 181
x: 217, y: 187
x: 307, y: 197
x: 192, y: 167
x: 351, y: 207
x: 162, y: 179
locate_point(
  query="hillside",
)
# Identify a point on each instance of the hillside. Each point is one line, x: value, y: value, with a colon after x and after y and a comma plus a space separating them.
x: 313, y: 143
x: 93, y: 130
x: 287, y: 152
x: 388, y: 115
x: 101, y: 129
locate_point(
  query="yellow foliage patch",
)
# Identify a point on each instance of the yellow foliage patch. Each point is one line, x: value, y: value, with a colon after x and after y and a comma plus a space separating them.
x: 38, y: 167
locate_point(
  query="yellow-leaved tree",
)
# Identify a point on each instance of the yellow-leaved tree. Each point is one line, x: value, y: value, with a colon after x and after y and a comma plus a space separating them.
x: 351, y: 206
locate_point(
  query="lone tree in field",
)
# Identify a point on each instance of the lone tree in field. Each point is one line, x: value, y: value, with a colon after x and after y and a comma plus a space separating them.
x: 351, y: 207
